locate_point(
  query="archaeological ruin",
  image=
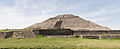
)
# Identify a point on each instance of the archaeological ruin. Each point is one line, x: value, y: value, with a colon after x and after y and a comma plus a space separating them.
x: 65, y: 26
x: 63, y: 33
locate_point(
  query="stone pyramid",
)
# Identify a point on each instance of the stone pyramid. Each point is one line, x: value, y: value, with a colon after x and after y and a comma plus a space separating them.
x: 67, y: 21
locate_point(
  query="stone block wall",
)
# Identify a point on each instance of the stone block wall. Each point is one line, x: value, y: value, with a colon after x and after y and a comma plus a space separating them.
x: 5, y: 34
x: 99, y: 32
x: 110, y: 37
x: 53, y: 32
x: 8, y: 34
x: 23, y: 34
x: 91, y: 37
x: 2, y: 34
x: 59, y: 36
x: 63, y: 33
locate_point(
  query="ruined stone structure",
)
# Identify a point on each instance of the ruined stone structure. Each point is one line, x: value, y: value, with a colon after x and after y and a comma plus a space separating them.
x: 50, y: 32
x: 5, y: 34
x: 98, y: 34
x: 63, y: 33
x: 65, y: 26
x: 23, y: 34
x: 67, y: 21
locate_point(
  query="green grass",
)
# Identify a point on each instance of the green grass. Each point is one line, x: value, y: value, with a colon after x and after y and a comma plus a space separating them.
x: 14, y: 30
x: 61, y: 43
x: 4, y: 30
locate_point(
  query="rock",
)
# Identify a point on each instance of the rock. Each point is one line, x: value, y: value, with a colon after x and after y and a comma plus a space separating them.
x: 5, y: 34
x: 23, y: 34
x: 67, y: 21
x: 2, y: 34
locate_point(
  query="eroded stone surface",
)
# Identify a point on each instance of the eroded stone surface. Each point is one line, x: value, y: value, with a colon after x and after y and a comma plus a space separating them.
x: 23, y: 34
x: 5, y: 34
x: 69, y: 21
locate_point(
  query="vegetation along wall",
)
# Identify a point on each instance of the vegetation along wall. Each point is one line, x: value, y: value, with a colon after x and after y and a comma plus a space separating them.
x: 64, y: 33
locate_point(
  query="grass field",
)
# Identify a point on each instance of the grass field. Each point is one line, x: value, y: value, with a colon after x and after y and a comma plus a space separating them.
x: 61, y: 43
x: 14, y: 30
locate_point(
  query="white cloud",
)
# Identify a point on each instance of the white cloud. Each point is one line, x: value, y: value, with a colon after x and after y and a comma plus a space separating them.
x: 113, y: 26
x: 26, y: 12
x: 99, y: 20
x: 16, y: 17
x: 96, y: 13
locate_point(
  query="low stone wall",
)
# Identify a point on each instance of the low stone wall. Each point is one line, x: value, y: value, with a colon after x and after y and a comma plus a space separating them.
x: 66, y: 33
x: 92, y: 37
x: 99, y: 37
x: 2, y: 34
x: 63, y: 33
x: 23, y: 34
x: 59, y: 36
x: 98, y: 32
x: 53, y: 32
x: 110, y: 37
x: 5, y: 34
x: 8, y: 34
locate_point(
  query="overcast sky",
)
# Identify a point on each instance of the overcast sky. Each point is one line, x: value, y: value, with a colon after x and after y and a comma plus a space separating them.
x: 18, y: 14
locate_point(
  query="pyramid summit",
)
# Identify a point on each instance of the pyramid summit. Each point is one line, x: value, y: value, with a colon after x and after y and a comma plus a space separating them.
x: 67, y: 21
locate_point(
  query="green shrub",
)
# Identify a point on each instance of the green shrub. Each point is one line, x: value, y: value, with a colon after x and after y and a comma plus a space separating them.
x: 40, y: 36
x: 76, y: 36
x: 73, y: 36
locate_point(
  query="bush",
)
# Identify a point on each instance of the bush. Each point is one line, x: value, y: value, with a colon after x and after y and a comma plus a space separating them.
x: 40, y: 36
x: 76, y: 36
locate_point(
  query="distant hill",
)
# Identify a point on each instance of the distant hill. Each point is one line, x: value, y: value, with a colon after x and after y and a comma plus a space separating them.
x: 67, y: 21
